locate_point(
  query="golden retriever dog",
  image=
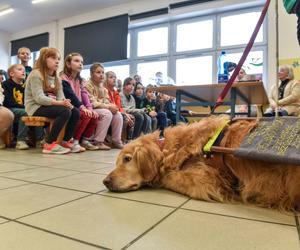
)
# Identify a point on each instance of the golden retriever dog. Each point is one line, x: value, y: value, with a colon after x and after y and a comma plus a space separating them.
x: 179, y: 165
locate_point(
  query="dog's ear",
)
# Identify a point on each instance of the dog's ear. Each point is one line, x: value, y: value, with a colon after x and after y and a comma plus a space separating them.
x: 148, y: 160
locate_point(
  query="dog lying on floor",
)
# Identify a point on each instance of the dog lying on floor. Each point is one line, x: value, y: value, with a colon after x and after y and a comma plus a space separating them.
x: 180, y: 165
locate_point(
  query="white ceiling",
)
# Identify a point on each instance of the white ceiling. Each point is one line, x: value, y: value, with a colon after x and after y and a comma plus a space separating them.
x: 27, y: 15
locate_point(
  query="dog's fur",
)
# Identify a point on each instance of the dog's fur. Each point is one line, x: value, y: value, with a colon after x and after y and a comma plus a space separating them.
x: 180, y: 166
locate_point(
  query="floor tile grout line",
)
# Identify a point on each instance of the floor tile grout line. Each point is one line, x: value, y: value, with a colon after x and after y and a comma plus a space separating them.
x: 298, y: 225
x: 49, y: 185
x: 68, y: 160
x: 39, y: 182
x: 61, y: 168
x: 155, y: 225
x: 138, y: 201
x: 41, y: 167
x: 22, y: 163
x: 80, y: 171
x: 237, y: 217
x: 66, y: 188
x: 4, y: 222
x: 49, y: 208
x: 25, y: 184
x: 12, y: 171
x: 60, y: 235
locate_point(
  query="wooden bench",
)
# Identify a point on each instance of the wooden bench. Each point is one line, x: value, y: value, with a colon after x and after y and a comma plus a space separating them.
x: 40, y: 121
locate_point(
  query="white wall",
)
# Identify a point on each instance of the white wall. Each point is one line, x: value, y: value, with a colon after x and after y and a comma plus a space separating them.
x: 51, y: 28
x: 288, y: 43
x: 288, y: 46
x: 4, y: 50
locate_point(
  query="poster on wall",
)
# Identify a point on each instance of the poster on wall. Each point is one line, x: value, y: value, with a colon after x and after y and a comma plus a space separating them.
x: 295, y: 63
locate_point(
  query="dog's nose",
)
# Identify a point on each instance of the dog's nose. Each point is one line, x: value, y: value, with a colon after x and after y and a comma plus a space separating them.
x: 107, y: 182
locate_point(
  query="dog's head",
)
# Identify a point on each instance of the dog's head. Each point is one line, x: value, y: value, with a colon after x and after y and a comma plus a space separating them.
x: 137, y: 164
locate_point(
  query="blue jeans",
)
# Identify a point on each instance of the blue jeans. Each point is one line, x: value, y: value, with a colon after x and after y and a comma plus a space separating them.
x: 22, y: 128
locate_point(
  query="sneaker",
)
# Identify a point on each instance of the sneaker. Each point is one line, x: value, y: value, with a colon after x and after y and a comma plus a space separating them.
x: 40, y: 143
x: 88, y: 145
x: 77, y: 148
x: 67, y: 144
x: 55, y: 148
x: 118, y: 145
x: 21, y: 145
x: 102, y: 146
x: 2, y: 144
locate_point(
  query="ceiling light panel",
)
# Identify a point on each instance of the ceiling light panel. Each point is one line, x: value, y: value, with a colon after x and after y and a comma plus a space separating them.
x: 37, y: 1
x: 6, y: 11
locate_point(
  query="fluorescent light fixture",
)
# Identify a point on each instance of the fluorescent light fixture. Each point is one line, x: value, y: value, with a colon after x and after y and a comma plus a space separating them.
x: 6, y: 11
x: 37, y: 1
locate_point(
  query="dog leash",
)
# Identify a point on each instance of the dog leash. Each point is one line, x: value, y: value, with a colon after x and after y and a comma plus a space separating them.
x: 243, y: 58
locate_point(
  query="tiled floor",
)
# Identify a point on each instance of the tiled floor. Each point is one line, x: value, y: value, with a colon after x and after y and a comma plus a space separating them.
x: 59, y: 202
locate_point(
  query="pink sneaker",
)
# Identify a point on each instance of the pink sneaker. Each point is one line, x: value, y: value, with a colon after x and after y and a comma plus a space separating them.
x: 67, y: 144
x: 55, y: 148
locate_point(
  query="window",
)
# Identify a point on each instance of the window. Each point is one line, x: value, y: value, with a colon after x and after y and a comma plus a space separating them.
x: 195, y: 35
x: 153, y: 41
x: 122, y: 71
x: 237, y: 29
x: 187, y: 49
x: 253, y: 63
x: 85, y: 73
x: 128, y: 45
x: 148, y: 70
x: 193, y: 71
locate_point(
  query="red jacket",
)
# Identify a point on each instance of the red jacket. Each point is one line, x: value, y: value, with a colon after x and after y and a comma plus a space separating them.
x: 115, y: 98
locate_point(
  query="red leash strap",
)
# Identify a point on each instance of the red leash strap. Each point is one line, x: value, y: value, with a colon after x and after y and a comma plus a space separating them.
x: 243, y: 58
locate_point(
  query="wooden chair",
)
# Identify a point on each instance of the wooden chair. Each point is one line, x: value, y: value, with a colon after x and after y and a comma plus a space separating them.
x: 40, y: 121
